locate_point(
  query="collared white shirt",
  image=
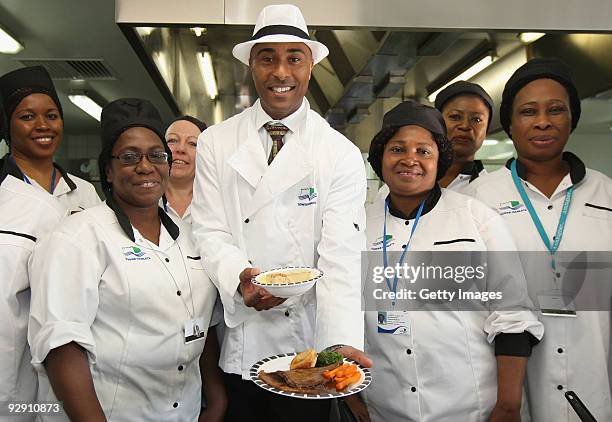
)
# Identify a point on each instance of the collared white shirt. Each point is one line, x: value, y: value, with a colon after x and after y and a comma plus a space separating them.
x: 575, y: 353
x: 126, y: 303
x: 292, y: 122
x: 444, y: 368
x: 27, y: 216
x: 186, y: 218
x: 470, y: 172
x: 73, y: 192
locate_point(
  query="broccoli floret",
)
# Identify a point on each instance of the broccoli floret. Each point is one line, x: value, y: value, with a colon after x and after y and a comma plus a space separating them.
x: 328, y: 358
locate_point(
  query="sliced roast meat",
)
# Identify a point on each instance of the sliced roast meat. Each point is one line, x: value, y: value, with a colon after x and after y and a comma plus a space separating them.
x: 306, y: 378
x: 273, y: 379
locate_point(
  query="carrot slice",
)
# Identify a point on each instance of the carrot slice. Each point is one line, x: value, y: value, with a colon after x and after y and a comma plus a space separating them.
x: 347, y: 370
x: 348, y: 381
x: 334, y: 372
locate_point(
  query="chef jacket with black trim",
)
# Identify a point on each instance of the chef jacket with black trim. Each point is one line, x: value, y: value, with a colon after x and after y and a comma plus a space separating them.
x: 97, y: 282
x: 186, y: 229
x: 27, y: 215
x: 575, y: 353
x: 444, y: 367
x: 304, y: 209
x: 74, y: 193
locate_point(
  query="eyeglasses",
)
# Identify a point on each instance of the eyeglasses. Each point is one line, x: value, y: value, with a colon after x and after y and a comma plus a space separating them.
x: 132, y: 158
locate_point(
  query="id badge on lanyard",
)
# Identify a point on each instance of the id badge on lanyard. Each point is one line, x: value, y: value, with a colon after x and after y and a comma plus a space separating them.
x: 393, y: 322
x: 552, y: 303
x: 194, y: 330
x: 393, y: 287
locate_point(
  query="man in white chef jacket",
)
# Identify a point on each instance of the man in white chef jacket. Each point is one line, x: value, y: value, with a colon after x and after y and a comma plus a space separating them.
x: 259, y: 206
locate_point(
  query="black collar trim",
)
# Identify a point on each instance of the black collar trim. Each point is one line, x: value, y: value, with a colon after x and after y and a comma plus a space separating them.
x: 430, y: 202
x: 472, y: 169
x: 280, y: 30
x: 126, y: 226
x: 64, y: 175
x: 577, y: 168
x: 9, y: 168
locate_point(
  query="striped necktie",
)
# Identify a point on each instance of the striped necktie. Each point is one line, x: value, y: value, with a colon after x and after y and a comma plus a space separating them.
x: 276, y: 130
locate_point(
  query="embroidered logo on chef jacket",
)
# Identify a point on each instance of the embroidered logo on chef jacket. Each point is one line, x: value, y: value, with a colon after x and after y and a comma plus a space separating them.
x: 511, y: 207
x: 378, y: 243
x: 307, y: 197
x: 133, y: 253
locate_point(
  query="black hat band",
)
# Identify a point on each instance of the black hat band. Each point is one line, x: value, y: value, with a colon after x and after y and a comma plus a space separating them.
x: 280, y: 30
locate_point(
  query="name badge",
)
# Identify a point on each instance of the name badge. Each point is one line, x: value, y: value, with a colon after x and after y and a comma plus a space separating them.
x: 195, y: 330
x: 556, y: 304
x: 394, y: 322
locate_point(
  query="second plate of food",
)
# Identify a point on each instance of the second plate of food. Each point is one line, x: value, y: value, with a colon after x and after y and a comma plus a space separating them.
x: 273, y: 374
x: 288, y: 281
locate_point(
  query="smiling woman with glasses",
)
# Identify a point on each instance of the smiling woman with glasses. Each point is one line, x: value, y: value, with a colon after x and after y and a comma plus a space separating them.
x: 119, y: 294
x: 131, y: 158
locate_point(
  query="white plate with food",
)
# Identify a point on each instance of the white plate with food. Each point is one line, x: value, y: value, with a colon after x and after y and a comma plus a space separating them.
x: 288, y: 281
x: 338, y: 379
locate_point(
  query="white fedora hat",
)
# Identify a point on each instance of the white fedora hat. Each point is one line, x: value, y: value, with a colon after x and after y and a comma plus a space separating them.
x: 280, y: 23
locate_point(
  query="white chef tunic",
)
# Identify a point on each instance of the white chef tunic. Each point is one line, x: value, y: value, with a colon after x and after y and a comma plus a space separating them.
x: 74, y: 193
x: 184, y: 224
x: 444, y: 367
x: 97, y: 282
x: 575, y: 352
x: 27, y: 215
x: 305, y: 208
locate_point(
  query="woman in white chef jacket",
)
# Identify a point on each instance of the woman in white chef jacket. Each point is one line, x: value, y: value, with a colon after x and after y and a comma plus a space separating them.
x: 467, y: 110
x: 540, y: 107
x: 182, y: 138
x: 34, y: 133
x: 26, y: 215
x: 120, y: 301
x: 448, y: 365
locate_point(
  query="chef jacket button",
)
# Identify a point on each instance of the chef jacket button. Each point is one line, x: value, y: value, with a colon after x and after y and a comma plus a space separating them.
x: 175, y: 405
x: 178, y: 293
x: 550, y: 207
x: 558, y: 275
x: 407, y: 222
x: 560, y: 350
x: 180, y: 367
x: 408, y: 351
x: 287, y: 313
x: 167, y: 259
x: 247, y: 220
x: 403, y: 246
x: 559, y: 387
x: 413, y: 389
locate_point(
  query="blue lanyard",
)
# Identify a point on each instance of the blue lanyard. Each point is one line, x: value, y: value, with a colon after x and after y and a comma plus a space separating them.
x: 552, y: 248
x: 53, y: 176
x: 384, y: 244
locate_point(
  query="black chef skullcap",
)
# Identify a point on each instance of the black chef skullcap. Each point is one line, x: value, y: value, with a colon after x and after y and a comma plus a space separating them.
x: 538, y: 68
x: 414, y: 113
x: 464, y: 88
x: 18, y: 84
x: 408, y: 113
x: 199, y: 123
x: 119, y: 116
